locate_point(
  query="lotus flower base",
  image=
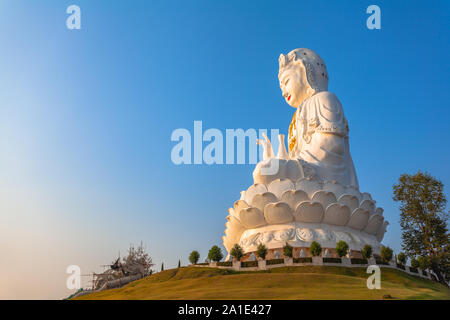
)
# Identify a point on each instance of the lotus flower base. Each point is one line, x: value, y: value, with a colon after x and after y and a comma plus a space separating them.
x: 302, y: 211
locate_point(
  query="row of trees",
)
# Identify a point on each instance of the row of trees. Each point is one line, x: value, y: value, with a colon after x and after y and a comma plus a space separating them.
x: 215, y: 253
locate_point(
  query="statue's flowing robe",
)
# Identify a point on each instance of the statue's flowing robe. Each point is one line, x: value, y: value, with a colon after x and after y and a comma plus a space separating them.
x: 318, y: 134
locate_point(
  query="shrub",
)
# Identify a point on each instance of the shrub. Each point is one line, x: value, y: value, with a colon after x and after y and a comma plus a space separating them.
x: 315, y: 248
x: 261, y: 251
x: 194, y: 257
x: 358, y: 261
x: 401, y: 257
x: 332, y: 260
x: 249, y: 264
x: 237, y: 252
x: 414, y: 263
x: 341, y: 248
x: 303, y: 260
x: 366, y: 251
x: 274, y: 261
x: 287, y: 250
x: 215, y: 254
x: 386, y: 254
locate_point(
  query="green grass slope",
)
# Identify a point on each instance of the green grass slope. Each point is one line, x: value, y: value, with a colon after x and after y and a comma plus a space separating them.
x: 305, y: 282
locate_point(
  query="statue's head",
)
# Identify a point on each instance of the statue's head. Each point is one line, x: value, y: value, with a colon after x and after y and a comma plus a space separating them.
x: 302, y: 73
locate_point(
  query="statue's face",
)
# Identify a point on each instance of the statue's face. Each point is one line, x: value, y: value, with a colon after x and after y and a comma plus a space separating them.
x: 294, y: 85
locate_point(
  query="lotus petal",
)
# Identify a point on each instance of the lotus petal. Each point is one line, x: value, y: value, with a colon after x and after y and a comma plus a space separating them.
x: 238, y: 205
x: 358, y: 219
x: 368, y: 205
x: 233, y: 224
x: 337, y: 214
x: 366, y: 196
x: 232, y: 212
x: 293, y: 170
x: 308, y: 185
x: 254, y: 190
x: 226, y: 243
x: 349, y: 201
x: 374, y: 223
x: 233, y: 232
x: 308, y: 211
x: 252, y: 218
x: 278, y: 212
x: 382, y: 231
x: 353, y: 191
x: 325, y: 198
x: 335, y: 187
x: 294, y: 197
x: 260, y: 200
x: 279, y: 186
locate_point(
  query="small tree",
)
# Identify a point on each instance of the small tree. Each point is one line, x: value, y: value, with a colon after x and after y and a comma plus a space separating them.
x: 194, y: 257
x: 386, y: 254
x: 341, y: 248
x: 366, y: 251
x: 401, y: 257
x: 424, y: 221
x: 215, y: 254
x: 315, y: 248
x: 179, y: 263
x: 287, y: 250
x: 414, y: 263
x: 423, y: 263
x: 162, y: 266
x: 237, y: 252
x: 261, y: 251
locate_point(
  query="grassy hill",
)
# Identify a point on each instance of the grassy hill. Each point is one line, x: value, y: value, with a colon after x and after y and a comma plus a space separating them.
x: 305, y: 282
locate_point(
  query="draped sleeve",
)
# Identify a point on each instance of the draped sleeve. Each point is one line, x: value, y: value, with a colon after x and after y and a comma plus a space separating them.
x: 323, y: 113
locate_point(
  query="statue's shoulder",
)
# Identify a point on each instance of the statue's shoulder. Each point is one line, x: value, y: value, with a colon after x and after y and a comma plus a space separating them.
x: 325, y: 98
x: 324, y: 111
x: 324, y: 104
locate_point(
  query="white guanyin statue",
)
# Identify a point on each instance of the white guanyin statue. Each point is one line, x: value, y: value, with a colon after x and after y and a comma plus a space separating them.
x: 310, y: 193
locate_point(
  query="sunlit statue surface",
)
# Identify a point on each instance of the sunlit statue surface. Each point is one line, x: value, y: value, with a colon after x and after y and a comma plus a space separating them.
x: 310, y: 193
x: 318, y: 132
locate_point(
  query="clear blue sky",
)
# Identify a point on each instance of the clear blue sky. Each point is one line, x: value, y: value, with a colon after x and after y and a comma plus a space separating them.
x: 86, y: 117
